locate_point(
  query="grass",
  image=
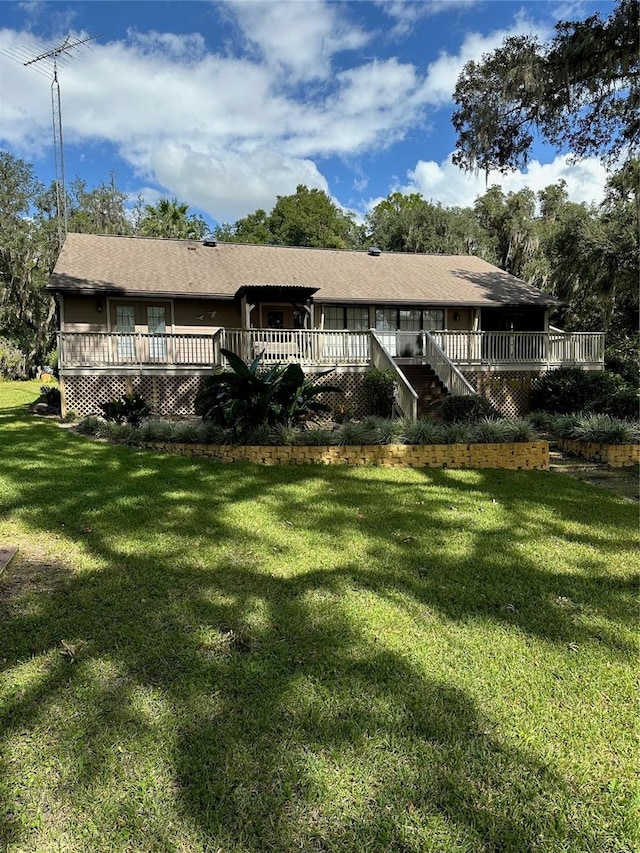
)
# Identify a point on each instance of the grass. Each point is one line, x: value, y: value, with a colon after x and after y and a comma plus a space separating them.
x: 198, y: 657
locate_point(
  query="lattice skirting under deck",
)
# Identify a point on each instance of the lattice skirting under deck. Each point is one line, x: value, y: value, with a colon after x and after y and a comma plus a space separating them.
x: 509, y: 391
x: 174, y: 396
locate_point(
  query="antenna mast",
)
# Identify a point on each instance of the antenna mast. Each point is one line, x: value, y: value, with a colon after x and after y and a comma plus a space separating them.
x: 51, y: 59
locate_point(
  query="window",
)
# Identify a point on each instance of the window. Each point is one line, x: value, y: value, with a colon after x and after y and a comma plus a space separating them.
x: 386, y: 319
x: 126, y: 327
x: 409, y: 319
x: 357, y: 319
x: 157, y: 325
x: 432, y: 320
x: 341, y: 317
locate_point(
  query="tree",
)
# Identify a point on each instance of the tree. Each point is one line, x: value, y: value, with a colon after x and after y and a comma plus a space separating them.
x: 309, y: 218
x: 409, y: 223
x: 305, y: 218
x: 98, y: 211
x: 253, y: 228
x: 171, y: 219
x: 28, y: 252
x: 580, y: 92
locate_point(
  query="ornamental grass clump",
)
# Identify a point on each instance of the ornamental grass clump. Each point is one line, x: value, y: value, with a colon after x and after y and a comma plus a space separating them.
x: 424, y: 431
x: 603, y: 429
x: 490, y: 431
x: 385, y: 430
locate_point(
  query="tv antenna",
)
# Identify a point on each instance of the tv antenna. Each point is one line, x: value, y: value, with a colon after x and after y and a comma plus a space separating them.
x: 50, y: 60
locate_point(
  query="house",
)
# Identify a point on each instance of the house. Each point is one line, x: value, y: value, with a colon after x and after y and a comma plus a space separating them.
x: 152, y: 315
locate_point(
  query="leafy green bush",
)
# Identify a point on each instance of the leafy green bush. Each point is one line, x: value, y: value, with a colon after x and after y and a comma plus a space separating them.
x: 384, y: 430
x: 570, y: 390
x: 622, y: 356
x: 379, y: 392
x: 11, y: 360
x: 129, y: 409
x: 247, y: 398
x: 456, y: 409
x: 51, y: 396
x: 456, y: 433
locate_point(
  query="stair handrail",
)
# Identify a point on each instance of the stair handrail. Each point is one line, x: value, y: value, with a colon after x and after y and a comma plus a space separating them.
x: 445, y: 369
x: 406, y: 395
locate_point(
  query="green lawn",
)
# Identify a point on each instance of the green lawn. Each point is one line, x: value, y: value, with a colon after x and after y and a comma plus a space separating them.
x: 198, y: 657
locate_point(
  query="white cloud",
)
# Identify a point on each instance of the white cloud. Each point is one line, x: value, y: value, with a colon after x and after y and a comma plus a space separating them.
x: 405, y: 13
x: 449, y: 185
x: 443, y: 74
x: 230, y: 185
x: 299, y: 38
x: 228, y: 132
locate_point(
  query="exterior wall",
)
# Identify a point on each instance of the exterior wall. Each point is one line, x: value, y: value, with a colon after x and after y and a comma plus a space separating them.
x: 81, y: 314
x: 464, y: 323
x: 188, y: 316
x: 194, y: 316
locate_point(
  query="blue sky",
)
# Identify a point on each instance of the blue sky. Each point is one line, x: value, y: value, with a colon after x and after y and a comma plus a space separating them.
x: 227, y: 105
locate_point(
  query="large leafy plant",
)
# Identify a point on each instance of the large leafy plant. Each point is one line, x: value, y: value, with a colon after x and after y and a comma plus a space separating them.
x: 248, y: 397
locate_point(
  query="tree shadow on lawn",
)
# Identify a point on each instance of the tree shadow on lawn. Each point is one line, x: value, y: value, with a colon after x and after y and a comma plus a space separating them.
x: 295, y: 734
x: 286, y: 727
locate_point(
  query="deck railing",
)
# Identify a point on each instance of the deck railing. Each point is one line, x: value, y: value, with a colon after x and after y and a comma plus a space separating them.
x: 406, y: 399
x: 326, y: 347
x: 109, y: 349
x: 305, y: 346
x: 444, y: 368
x: 530, y: 348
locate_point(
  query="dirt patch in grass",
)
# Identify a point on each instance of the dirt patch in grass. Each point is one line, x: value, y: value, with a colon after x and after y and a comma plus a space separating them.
x: 623, y: 481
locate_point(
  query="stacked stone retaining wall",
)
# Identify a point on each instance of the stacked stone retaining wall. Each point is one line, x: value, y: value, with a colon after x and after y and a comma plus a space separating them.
x: 531, y: 455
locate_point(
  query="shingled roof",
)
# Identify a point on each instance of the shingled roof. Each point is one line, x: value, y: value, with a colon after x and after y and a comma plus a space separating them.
x: 136, y: 266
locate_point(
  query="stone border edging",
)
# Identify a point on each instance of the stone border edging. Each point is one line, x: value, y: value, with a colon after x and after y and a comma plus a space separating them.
x: 614, y: 455
x: 526, y: 455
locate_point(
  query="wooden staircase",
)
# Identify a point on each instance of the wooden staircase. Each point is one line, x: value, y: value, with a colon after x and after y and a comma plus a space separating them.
x: 427, y: 386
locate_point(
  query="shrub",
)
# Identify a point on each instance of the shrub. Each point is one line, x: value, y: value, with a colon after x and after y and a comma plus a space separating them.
x: 521, y: 430
x: 319, y: 437
x: 490, y: 431
x: 11, y: 360
x: 379, y: 391
x: 354, y: 433
x: 568, y: 390
x: 622, y: 356
x: 342, y: 412
x: 283, y: 434
x: 247, y: 398
x: 89, y: 425
x: 455, y: 409
x: 51, y: 396
x: 128, y: 409
x: 625, y: 403
x: 603, y: 429
x: 423, y: 431
x: 456, y: 433
x: 384, y: 430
